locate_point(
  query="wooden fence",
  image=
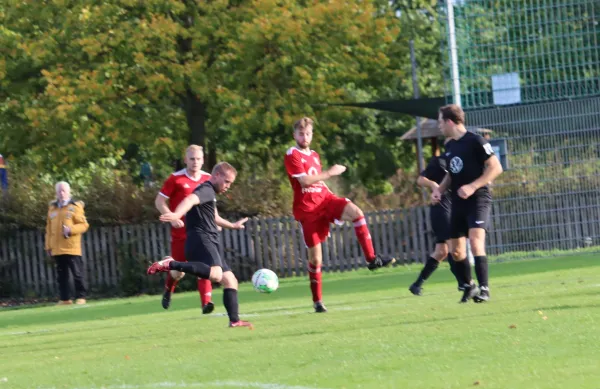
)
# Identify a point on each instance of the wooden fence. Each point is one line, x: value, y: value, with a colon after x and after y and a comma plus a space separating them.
x: 112, y: 253
x: 116, y: 257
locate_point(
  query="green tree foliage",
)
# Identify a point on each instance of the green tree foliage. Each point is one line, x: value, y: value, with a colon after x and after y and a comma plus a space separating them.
x: 84, y: 81
x: 111, y: 195
x: 291, y: 58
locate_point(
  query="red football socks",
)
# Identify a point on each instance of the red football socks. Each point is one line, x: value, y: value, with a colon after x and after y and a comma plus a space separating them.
x: 171, y: 283
x: 364, y: 238
x: 205, y: 290
x: 314, y: 274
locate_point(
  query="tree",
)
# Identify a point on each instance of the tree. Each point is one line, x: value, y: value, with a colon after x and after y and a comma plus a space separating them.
x: 291, y: 58
x: 85, y: 80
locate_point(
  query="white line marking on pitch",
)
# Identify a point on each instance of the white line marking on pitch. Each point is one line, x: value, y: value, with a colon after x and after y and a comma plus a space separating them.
x: 24, y: 332
x: 220, y: 384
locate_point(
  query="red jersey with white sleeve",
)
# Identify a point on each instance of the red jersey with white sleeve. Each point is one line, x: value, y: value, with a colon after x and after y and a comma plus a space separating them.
x: 299, y: 163
x: 176, y: 188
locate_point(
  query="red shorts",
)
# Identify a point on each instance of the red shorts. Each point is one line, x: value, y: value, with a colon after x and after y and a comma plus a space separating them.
x: 178, y: 249
x: 315, y: 225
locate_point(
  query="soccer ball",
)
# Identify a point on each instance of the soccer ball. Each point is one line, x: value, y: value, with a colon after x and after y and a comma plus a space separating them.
x: 265, y: 281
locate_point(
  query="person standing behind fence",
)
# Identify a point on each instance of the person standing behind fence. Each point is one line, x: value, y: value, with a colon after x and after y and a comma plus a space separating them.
x: 3, y: 174
x: 65, y: 224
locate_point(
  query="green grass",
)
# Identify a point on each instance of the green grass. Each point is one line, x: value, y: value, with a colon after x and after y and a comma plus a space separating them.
x: 536, y: 254
x: 375, y: 335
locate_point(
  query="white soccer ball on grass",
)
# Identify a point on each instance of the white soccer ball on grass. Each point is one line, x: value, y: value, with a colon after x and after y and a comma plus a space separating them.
x: 265, y: 281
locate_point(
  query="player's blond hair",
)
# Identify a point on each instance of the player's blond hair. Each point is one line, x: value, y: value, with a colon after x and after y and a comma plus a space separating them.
x: 303, y: 123
x: 222, y: 168
x: 194, y: 148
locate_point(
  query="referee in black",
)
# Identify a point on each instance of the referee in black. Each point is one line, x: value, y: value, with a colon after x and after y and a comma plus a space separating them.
x: 439, y: 215
x: 471, y: 166
x: 202, y: 242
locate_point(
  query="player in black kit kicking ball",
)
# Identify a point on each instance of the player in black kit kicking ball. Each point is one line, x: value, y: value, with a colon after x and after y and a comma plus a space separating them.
x: 471, y: 166
x: 202, y: 241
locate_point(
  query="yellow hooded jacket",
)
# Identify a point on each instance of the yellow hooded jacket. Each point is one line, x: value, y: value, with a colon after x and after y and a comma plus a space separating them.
x: 71, y: 215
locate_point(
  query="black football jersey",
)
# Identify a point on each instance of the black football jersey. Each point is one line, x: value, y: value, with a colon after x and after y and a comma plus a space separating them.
x: 465, y: 159
x: 200, y: 220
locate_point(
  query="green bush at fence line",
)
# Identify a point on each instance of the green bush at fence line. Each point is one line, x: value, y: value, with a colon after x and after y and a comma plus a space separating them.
x: 111, y: 195
x: 114, y: 197
x: 132, y: 268
x: 7, y: 287
x: 133, y: 279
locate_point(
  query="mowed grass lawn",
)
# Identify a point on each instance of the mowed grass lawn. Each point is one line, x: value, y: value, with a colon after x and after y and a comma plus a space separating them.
x: 541, y: 330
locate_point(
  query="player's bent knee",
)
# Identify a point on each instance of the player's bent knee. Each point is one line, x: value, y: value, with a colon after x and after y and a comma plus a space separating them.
x: 477, y: 244
x: 216, y: 273
x: 315, y: 257
x: 478, y: 250
x: 444, y: 253
x: 458, y: 248
x: 459, y: 255
x: 176, y: 275
x: 352, y: 211
x: 315, y: 261
x: 229, y: 281
x: 357, y: 211
x: 441, y: 252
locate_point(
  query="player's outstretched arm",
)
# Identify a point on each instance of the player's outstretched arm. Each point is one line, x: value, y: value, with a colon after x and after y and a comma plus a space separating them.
x: 436, y: 194
x: 445, y: 184
x: 181, y: 209
x: 308, y: 180
x: 160, y: 202
x: 427, y: 183
x: 238, y: 225
x: 493, y: 168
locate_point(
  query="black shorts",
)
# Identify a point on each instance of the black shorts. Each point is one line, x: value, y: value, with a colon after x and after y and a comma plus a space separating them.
x: 473, y: 212
x: 205, y: 251
x: 440, y: 222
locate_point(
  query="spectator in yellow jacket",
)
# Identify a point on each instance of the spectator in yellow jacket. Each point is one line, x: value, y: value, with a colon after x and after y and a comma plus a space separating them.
x: 64, y: 226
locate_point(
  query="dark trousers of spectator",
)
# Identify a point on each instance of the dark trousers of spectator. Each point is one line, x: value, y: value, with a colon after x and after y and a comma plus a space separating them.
x: 74, y: 263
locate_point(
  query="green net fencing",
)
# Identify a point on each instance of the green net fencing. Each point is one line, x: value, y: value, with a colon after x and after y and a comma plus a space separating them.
x: 527, y: 51
x: 529, y: 71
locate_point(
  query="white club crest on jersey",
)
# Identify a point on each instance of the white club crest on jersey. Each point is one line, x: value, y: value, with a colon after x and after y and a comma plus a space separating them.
x: 317, y: 161
x: 488, y: 149
x: 456, y: 165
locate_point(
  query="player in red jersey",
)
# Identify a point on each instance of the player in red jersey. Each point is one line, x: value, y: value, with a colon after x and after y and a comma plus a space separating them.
x: 179, y: 185
x: 315, y: 207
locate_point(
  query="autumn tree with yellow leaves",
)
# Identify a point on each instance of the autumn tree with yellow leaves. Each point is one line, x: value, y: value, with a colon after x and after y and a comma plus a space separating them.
x: 83, y: 81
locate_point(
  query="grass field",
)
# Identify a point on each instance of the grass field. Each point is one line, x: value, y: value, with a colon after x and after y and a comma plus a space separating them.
x: 539, y: 331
